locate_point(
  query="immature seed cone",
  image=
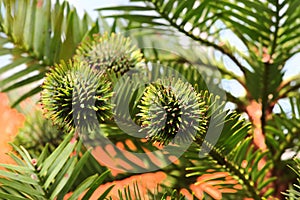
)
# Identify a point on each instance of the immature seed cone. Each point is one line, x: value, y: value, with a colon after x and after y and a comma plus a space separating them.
x: 75, y: 95
x: 171, y: 111
x: 110, y: 53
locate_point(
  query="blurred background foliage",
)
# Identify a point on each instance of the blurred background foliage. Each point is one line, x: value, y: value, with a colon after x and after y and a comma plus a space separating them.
x: 251, y: 159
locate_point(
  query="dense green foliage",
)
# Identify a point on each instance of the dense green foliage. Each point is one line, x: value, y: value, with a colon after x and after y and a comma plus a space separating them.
x: 84, y: 64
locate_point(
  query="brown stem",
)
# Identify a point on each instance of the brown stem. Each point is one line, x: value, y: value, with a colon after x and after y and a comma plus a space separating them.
x: 254, y: 110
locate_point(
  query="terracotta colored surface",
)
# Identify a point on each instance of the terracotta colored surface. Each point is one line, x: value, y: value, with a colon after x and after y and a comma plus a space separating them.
x: 209, y: 184
x: 148, y: 181
x: 10, y: 121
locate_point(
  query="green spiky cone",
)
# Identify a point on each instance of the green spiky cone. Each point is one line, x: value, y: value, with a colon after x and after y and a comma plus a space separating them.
x: 171, y: 111
x: 76, y: 96
x: 110, y: 53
